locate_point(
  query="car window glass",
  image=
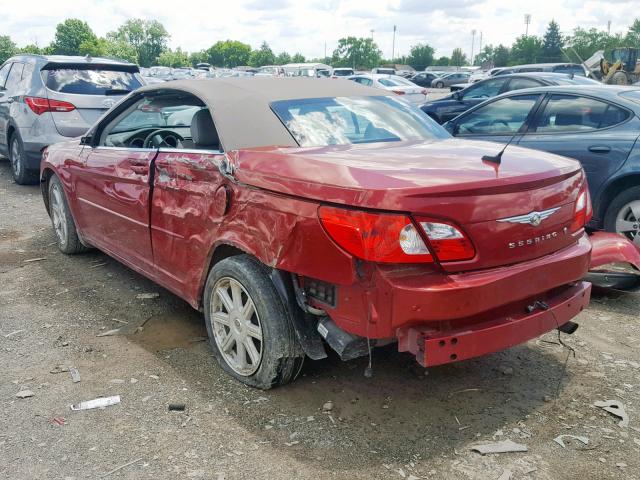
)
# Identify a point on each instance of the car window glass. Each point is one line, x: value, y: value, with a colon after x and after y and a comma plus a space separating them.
x: 364, y: 81
x: 575, y: 69
x: 502, y: 117
x: 90, y: 81
x: 171, y: 112
x: 486, y: 89
x: 520, y: 83
x: 568, y: 113
x: 4, y: 71
x: 15, y: 75
x: 350, y: 120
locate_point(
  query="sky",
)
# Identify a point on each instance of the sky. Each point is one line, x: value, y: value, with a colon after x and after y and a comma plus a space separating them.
x: 305, y: 26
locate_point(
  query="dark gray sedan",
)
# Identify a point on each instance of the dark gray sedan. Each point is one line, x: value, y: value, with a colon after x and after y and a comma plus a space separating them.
x: 597, y: 125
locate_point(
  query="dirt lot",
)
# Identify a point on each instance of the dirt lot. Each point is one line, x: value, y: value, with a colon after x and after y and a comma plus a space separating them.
x: 402, y: 423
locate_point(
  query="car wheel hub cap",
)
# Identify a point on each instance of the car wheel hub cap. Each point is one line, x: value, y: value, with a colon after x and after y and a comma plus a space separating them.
x: 628, y: 221
x: 236, y: 326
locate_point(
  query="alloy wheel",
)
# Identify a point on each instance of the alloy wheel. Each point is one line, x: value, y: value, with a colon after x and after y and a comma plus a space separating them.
x: 58, y: 214
x: 16, y: 161
x: 628, y: 221
x: 236, y: 326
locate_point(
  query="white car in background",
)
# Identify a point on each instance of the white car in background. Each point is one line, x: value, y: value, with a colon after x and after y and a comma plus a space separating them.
x: 411, y: 92
x: 481, y: 75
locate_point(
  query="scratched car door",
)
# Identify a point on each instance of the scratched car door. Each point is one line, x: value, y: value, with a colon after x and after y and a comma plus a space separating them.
x: 113, y: 196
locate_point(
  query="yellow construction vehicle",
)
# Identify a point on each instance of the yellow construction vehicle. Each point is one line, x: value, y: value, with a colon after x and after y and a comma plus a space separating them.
x: 623, y: 69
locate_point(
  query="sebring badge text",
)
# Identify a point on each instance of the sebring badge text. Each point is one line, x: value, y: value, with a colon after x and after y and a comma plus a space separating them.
x: 537, y: 240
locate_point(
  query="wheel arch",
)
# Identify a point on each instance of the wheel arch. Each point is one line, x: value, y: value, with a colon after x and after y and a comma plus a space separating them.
x: 45, y: 177
x: 613, y: 189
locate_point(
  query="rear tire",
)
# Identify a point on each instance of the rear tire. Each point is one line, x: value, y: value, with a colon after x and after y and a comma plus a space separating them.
x: 439, y: 85
x: 623, y: 215
x: 250, y: 331
x: 18, y: 159
x: 64, y: 226
x: 619, y: 78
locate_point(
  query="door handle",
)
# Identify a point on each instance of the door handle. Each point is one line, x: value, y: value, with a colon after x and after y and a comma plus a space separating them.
x: 599, y: 149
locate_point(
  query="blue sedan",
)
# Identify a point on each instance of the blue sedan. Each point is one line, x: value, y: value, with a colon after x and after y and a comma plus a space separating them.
x: 451, y: 106
x: 597, y: 125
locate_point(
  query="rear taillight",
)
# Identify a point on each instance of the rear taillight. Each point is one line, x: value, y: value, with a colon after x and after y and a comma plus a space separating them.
x: 377, y: 237
x: 583, y: 210
x: 393, y: 238
x: 447, y: 242
x: 41, y: 105
x: 398, y: 92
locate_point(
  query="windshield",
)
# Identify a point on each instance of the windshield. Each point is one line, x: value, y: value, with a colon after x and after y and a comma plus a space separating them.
x: 90, y: 82
x: 345, y: 120
x: 342, y: 73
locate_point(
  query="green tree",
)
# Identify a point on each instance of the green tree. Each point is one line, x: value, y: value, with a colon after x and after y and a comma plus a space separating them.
x: 299, y: 58
x: 356, y: 53
x: 458, y: 58
x: 148, y: 37
x: 501, y: 56
x: 552, y: 44
x: 632, y: 39
x: 198, y: 57
x: 229, y: 54
x: 31, y: 49
x: 173, y: 58
x: 485, y: 56
x: 70, y: 34
x: 442, y: 62
x: 420, y: 56
x: 584, y: 43
x: 116, y: 49
x: 7, y: 48
x: 263, y: 56
x: 526, y: 49
x: 283, y: 58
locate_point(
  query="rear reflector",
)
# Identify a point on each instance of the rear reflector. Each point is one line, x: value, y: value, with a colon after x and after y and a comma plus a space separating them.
x: 41, y: 105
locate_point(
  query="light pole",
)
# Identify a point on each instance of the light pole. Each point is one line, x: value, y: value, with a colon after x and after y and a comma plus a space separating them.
x: 372, y: 30
x: 527, y: 21
x: 473, y: 41
x: 393, y: 45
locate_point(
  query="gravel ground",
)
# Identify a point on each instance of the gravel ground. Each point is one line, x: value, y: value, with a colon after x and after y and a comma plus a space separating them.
x: 404, y: 422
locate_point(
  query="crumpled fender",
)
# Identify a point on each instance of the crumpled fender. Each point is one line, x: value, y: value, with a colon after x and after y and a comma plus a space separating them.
x: 613, y: 248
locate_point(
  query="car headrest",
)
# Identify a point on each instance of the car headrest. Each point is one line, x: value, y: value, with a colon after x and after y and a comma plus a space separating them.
x: 203, y: 131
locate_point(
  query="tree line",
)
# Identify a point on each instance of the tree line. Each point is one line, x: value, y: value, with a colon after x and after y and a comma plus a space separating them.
x: 145, y: 42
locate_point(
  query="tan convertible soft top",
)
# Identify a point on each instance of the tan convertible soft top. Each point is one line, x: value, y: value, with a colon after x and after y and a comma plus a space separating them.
x: 240, y: 106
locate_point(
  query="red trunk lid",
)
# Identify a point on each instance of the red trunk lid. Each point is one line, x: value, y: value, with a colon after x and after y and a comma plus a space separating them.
x: 439, y: 180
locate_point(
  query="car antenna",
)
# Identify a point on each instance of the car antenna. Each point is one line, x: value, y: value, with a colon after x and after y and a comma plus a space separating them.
x: 497, y: 159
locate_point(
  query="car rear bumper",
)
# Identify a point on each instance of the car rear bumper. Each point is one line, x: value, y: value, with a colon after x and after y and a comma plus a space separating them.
x: 391, y: 299
x: 510, y: 327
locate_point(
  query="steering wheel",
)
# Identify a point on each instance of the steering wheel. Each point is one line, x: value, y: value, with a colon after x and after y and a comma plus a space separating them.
x: 163, y: 138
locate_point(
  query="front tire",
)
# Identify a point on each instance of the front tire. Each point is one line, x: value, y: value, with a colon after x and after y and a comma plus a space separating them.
x: 250, y: 331
x: 623, y: 215
x: 439, y: 85
x: 64, y: 226
x: 18, y: 159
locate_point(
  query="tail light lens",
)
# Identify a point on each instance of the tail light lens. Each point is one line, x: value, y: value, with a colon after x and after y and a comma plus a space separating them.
x: 393, y: 238
x: 398, y: 92
x: 448, y: 242
x: 583, y: 209
x: 41, y: 105
x: 377, y: 237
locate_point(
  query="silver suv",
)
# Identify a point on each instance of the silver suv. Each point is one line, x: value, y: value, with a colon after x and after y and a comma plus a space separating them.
x: 49, y: 99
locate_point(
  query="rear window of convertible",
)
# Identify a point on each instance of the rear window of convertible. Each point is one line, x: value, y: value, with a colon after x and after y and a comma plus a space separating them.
x: 317, y: 122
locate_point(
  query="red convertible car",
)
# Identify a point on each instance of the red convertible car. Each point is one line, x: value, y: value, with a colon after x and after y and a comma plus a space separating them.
x: 301, y: 214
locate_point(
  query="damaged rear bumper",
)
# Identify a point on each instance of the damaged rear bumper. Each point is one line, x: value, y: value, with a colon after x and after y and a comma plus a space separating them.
x: 512, y: 326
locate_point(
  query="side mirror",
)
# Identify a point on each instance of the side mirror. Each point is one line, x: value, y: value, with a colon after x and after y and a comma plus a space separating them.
x: 86, y: 140
x: 457, y: 95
